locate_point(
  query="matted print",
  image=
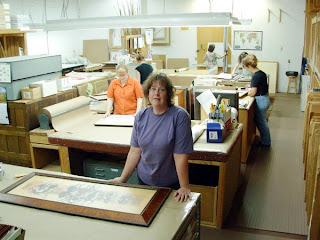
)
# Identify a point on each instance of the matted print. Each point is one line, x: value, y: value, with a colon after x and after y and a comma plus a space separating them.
x: 87, y: 197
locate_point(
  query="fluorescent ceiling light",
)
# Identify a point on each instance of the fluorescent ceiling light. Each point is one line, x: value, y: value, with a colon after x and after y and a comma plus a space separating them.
x: 143, y: 21
x: 245, y: 21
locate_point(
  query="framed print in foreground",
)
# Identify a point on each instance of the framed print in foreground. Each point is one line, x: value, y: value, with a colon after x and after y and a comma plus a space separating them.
x: 87, y: 197
x: 247, y: 40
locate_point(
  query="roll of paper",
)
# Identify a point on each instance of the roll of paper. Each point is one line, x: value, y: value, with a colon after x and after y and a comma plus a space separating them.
x: 67, y: 115
x: 181, y: 69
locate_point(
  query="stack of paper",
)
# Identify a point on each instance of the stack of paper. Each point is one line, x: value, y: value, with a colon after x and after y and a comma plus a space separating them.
x: 116, y: 120
x: 197, y: 130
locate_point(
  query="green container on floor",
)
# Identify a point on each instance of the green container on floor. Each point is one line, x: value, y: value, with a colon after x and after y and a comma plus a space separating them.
x: 106, y: 170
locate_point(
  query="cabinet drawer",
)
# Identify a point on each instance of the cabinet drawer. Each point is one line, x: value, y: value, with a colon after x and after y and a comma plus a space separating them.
x: 106, y: 170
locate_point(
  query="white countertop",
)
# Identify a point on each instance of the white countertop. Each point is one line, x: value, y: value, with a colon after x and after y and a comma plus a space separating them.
x: 43, y: 224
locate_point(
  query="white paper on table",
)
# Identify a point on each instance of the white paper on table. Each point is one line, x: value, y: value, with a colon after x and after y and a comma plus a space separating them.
x: 205, y: 99
x: 197, y: 130
x: 4, y: 118
x: 225, y: 75
x: 116, y: 120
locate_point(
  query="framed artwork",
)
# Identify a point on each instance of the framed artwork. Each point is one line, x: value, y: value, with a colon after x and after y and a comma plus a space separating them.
x: 161, y: 36
x: 247, y: 40
x: 115, y: 38
x: 87, y: 197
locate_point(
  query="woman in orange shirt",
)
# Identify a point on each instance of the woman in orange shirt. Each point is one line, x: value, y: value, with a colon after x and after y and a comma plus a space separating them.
x: 125, y: 93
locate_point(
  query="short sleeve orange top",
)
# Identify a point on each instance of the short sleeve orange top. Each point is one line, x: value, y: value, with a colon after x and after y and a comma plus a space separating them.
x: 125, y: 97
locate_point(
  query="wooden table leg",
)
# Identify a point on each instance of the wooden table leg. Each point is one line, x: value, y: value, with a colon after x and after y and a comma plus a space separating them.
x: 64, y: 159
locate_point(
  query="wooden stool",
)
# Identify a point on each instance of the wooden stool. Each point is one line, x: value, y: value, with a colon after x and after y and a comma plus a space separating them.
x: 292, y: 77
x: 290, y: 80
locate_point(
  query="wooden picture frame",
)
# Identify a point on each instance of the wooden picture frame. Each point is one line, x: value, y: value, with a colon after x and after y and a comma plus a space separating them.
x: 92, y: 198
x: 161, y: 36
x: 115, y: 38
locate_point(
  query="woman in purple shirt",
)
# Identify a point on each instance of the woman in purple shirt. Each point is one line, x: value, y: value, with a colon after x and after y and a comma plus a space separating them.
x: 161, y: 140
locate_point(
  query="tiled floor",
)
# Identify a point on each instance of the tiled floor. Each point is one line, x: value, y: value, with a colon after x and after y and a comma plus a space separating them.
x: 272, y: 194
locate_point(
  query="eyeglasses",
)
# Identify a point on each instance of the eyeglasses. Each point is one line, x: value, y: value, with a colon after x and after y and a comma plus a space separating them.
x: 161, y: 90
x: 122, y: 75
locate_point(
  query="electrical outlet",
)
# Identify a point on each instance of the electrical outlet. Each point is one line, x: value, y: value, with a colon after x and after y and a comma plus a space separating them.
x: 288, y: 60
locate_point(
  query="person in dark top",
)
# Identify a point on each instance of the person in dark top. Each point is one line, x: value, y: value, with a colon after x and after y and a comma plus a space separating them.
x: 259, y: 90
x: 143, y: 70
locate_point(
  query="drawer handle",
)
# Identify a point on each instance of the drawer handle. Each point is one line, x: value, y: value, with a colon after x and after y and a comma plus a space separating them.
x: 100, y: 174
x: 99, y: 169
x: 114, y: 170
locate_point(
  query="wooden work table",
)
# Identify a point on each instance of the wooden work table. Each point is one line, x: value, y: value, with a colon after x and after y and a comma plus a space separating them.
x: 246, y: 117
x: 186, y: 72
x: 174, y: 220
x: 225, y: 157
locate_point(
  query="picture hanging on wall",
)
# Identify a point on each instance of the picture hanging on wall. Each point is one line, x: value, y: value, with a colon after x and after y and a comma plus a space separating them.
x: 161, y: 36
x: 247, y: 40
x: 115, y: 38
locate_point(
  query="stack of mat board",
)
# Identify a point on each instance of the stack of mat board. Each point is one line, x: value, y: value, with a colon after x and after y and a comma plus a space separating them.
x: 311, y: 159
x: 5, y: 22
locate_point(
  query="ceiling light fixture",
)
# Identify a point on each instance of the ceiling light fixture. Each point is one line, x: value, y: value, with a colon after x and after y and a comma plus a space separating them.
x: 144, y: 21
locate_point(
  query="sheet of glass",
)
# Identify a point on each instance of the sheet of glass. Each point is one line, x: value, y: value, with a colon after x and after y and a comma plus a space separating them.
x: 88, y: 194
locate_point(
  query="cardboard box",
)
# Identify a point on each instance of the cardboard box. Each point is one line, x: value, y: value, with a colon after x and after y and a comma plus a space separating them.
x: 100, y: 86
x: 216, y: 132
x: 64, y: 84
x: 29, y: 93
x: 48, y: 87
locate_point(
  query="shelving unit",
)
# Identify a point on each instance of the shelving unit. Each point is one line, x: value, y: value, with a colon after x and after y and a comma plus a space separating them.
x: 311, y: 137
x: 11, y: 40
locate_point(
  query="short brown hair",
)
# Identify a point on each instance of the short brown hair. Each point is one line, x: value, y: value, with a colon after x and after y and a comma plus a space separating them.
x: 211, y: 47
x: 165, y: 81
x: 250, y: 60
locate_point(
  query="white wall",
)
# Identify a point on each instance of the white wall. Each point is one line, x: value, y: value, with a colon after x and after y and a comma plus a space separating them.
x: 281, y: 41
x: 183, y: 44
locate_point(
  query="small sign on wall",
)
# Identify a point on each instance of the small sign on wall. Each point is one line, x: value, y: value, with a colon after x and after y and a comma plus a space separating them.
x: 5, y: 73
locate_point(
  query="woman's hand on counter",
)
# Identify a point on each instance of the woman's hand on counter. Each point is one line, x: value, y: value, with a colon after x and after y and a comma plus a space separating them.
x: 115, y: 180
x: 182, y: 194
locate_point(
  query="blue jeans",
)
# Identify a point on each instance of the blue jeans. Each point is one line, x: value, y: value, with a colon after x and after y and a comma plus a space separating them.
x: 261, y: 106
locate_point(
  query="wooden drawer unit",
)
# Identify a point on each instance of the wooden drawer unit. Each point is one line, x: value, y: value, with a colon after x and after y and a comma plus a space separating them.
x: 23, y: 117
x: 14, y: 148
x: 106, y: 170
